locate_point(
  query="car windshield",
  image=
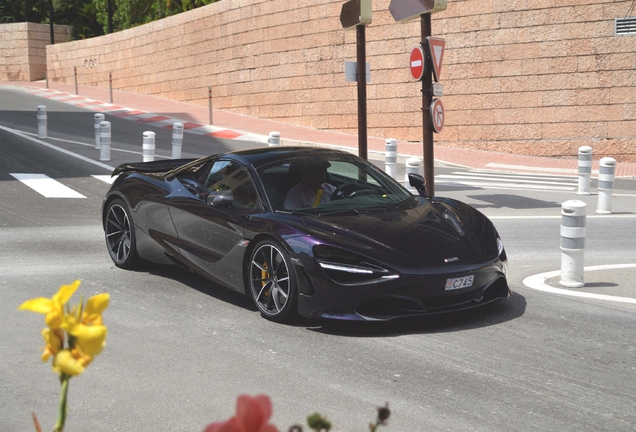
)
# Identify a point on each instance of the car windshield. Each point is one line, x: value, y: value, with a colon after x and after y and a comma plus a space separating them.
x: 331, y: 184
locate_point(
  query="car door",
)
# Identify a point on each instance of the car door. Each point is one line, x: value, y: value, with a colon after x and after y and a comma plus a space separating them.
x: 210, y: 235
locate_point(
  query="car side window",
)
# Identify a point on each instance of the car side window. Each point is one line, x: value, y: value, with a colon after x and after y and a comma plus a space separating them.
x: 228, y: 175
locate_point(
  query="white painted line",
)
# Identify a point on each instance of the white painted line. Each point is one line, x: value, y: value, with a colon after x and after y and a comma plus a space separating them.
x: 506, y: 180
x: 526, y: 168
x: 61, y: 150
x: 538, y: 282
x: 105, y: 178
x: 502, y: 174
x: 506, y: 186
x: 46, y: 186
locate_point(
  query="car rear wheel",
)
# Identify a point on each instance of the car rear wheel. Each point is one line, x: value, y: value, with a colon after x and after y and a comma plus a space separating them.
x: 120, y: 235
x: 272, y: 281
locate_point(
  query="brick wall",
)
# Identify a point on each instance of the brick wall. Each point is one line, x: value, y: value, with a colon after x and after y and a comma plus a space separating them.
x: 537, y: 77
x: 23, y: 49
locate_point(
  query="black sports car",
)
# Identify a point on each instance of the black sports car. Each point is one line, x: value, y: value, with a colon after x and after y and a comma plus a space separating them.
x: 317, y: 232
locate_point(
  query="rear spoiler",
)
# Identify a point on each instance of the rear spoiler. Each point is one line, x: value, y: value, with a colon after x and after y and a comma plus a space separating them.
x: 151, y: 167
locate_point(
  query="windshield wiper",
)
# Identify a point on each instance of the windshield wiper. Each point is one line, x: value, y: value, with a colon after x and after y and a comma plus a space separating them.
x: 343, y: 211
x: 308, y: 212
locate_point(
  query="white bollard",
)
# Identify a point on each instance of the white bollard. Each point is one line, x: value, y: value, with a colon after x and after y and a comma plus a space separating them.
x: 149, y: 146
x: 177, y: 140
x: 607, y: 168
x: 573, y: 220
x: 390, y: 157
x: 42, y: 121
x: 585, y: 169
x: 413, y: 165
x: 274, y: 138
x: 104, y: 140
x: 98, y: 119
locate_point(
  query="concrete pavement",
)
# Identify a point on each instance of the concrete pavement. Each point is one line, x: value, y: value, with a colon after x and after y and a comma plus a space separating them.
x: 609, y: 283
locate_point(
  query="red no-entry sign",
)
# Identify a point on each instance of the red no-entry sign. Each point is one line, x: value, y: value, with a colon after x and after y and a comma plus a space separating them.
x: 416, y: 63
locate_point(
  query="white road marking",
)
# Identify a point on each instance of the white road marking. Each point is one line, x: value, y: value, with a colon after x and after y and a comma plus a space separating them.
x: 105, y: 178
x: 538, y: 282
x: 46, y: 186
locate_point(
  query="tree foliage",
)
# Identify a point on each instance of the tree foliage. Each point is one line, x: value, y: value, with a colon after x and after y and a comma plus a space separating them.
x: 89, y: 18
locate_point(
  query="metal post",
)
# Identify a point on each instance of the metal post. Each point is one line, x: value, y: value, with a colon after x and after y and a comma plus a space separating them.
x: 75, y: 73
x: 99, y: 118
x: 46, y: 75
x: 42, y: 121
x: 607, y: 168
x: 427, y: 99
x: 177, y: 140
x: 390, y: 157
x: 104, y: 139
x: 110, y: 83
x: 413, y: 165
x: 585, y: 169
x: 361, y: 71
x: 573, y: 231
x: 148, y: 146
x: 51, y: 28
x: 210, y: 103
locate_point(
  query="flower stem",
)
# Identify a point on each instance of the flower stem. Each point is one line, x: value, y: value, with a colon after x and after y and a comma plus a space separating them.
x: 61, y: 415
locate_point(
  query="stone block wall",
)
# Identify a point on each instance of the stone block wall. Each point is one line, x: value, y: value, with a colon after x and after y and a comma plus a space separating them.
x: 23, y: 49
x: 536, y: 77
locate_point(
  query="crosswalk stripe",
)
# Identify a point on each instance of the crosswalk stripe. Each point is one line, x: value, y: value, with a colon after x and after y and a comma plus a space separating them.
x: 47, y: 186
x: 490, y: 180
x: 105, y: 178
x: 519, y: 176
x: 506, y: 180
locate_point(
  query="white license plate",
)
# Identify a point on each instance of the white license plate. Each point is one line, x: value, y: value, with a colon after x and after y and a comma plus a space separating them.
x: 459, y: 283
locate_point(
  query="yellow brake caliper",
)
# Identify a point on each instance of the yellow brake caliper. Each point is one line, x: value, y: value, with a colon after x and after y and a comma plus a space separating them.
x: 264, y: 275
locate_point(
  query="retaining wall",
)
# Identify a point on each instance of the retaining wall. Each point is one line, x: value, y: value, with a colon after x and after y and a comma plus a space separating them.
x: 23, y: 49
x: 536, y: 77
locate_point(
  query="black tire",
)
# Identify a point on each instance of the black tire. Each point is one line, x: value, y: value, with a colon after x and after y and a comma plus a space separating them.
x: 119, y: 232
x: 275, y: 293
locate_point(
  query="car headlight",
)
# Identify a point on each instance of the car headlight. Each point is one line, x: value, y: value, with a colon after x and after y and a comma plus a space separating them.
x: 500, y: 246
x: 347, y: 268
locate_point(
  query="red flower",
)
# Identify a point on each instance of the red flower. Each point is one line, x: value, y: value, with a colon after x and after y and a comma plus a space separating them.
x: 252, y: 415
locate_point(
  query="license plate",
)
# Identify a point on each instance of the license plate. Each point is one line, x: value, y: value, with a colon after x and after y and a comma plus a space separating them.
x: 459, y: 283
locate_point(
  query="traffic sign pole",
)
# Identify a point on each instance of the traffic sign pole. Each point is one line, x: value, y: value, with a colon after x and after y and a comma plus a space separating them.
x: 362, y: 90
x: 427, y: 99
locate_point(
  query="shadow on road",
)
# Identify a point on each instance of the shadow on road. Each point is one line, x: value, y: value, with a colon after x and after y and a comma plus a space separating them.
x: 512, y: 201
x: 484, y: 316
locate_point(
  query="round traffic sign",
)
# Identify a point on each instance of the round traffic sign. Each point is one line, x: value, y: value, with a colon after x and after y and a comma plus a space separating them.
x: 437, y: 115
x: 416, y: 63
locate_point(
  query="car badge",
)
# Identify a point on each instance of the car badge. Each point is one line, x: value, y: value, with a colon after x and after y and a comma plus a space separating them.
x: 451, y: 259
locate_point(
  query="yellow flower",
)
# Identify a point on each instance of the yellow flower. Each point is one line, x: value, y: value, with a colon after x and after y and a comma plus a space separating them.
x: 54, y: 342
x: 66, y: 362
x: 53, y: 307
x: 89, y: 339
x: 94, y: 308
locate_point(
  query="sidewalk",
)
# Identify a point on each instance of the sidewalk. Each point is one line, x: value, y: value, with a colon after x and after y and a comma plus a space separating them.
x: 164, y: 112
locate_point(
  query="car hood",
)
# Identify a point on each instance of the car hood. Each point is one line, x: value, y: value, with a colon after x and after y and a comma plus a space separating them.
x: 437, y: 232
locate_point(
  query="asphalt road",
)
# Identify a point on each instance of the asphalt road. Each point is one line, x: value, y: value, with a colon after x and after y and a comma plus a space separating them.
x: 180, y: 349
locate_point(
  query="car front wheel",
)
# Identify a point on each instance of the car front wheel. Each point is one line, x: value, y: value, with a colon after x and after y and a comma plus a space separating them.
x: 120, y: 235
x: 272, y: 281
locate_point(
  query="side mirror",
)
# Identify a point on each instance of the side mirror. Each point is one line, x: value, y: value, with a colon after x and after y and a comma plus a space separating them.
x: 418, y: 182
x: 223, y: 199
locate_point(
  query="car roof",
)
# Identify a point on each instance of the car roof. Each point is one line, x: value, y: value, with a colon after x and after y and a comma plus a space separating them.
x: 262, y: 156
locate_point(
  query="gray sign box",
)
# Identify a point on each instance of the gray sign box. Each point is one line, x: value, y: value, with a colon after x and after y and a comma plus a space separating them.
x: 404, y: 10
x: 351, y: 74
